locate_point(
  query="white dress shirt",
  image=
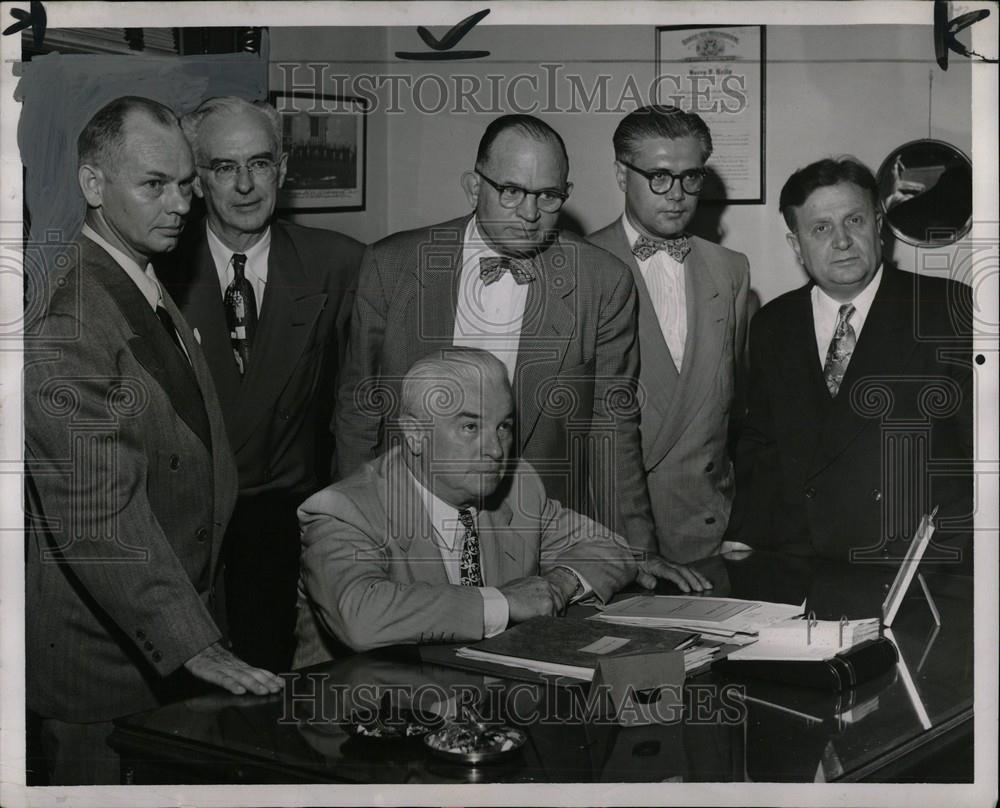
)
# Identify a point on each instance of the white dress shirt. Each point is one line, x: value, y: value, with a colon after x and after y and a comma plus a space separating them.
x: 255, y: 269
x: 144, y: 279
x: 826, y: 311
x: 664, y: 278
x: 449, y: 537
x: 488, y: 317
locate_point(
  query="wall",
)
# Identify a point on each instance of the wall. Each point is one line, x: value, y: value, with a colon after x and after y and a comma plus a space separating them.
x: 861, y: 90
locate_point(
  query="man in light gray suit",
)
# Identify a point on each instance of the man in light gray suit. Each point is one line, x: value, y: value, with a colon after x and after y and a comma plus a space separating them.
x: 441, y: 539
x: 692, y: 326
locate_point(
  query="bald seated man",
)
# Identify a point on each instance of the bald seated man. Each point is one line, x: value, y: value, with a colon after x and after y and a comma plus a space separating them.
x: 441, y: 539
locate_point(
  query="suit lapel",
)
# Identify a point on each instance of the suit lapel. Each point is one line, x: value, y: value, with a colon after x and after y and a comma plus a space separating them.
x: 881, y: 352
x: 151, y: 345
x: 292, y: 304
x: 500, y: 563
x: 409, y: 523
x: 548, y: 324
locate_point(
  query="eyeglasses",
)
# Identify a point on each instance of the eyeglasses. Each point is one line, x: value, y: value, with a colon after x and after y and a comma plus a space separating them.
x: 662, y: 180
x: 260, y: 167
x: 547, y: 199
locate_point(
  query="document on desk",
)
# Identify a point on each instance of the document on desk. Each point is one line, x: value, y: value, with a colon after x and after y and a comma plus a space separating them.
x: 805, y: 639
x: 715, y: 617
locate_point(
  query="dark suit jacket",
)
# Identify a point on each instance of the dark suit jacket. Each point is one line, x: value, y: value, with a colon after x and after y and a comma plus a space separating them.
x: 372, y: 574
x: 277, y: 416
x: 685, y: 416
x: 130, y: 483
x: 849, y: 477
x: 574, y: 381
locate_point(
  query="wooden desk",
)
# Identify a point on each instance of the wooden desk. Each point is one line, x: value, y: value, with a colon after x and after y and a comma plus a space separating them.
x: 911, y: 724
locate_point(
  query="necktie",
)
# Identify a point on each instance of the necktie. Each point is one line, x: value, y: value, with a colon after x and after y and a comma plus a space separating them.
x: 677, y: 248
x: 471, y: 571
x: 241, y: 313
x: 168, y: 324
x: 841, y: 347
x: 492, y: 267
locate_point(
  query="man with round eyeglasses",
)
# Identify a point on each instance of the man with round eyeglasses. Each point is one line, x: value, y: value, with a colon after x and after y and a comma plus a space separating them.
x: 558, y: 312
x: 269, y: 301
x: 692, y: 301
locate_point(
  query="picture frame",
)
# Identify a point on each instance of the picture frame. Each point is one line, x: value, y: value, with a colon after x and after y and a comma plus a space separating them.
x: 325, y: 138
x: 719, y: 72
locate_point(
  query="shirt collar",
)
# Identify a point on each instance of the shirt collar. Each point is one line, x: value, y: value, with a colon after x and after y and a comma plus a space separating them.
x: 444, y: 516
x: 475, y: 241
x: 143, y: 277
x: 222, y: 254
x: 862, y: 302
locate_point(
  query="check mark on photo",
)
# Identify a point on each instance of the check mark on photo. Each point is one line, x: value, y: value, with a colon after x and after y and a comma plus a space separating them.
x: 454, y: 34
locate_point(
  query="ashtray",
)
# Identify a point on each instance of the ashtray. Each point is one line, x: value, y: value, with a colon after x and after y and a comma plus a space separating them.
x: 472, y: 742
x: 392, y: 725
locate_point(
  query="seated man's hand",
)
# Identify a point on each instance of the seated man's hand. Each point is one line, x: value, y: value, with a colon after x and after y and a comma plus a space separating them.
x: 563, y: 580
x: 533, y: 597
x: 221, y: 667
x: 687, y: 579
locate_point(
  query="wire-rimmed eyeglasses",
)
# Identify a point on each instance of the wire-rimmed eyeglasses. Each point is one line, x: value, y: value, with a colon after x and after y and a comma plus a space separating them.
x: 226, y: 171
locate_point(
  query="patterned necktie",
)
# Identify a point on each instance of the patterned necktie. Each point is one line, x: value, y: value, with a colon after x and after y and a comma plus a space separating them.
x: 841, y: 347
x: 241, y: 313
x: 492, y: 267
x: 471, y: 571
x: 677, y: 248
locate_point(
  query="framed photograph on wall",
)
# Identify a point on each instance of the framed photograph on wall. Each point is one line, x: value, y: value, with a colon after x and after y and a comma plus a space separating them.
x: 719, y: 73
x: 324, y: 136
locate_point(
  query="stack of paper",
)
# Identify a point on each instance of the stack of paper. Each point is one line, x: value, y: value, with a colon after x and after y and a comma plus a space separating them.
x: 728, y: 619
x: 807, y: 639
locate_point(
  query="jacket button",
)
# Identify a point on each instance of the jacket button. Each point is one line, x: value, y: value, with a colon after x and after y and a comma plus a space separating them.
x: 140, y: 634
x: 810, y: 492
x: 201, y: 533
x: 710, y: 520
x: 876, y: 495
x: 157, y: 656
x: 148, y: 645
x: 284, y: 415
x: 175, y: 462
x: 710, y: 468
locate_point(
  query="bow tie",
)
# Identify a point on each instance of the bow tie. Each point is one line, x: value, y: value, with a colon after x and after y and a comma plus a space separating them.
x: 677, y: 248
x: 492, y: 267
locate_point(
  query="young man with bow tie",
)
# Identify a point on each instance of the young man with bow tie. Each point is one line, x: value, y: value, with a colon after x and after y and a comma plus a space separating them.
x: 692, y: 300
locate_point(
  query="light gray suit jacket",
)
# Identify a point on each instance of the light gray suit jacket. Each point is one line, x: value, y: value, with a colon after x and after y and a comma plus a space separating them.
x: 130, y: 483
x: 372, y: 574
x: 685, y: 416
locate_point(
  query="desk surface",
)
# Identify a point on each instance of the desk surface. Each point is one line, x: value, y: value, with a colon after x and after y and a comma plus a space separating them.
x: 730, y: 730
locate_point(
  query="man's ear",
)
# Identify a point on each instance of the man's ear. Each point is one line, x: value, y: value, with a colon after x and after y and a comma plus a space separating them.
x: 198, y: 190
x: 471, y: 184
x: 92, y: 179
x: 793, y: 242
x: 412, y: 434
x: 621, y: 175
x: 282, y: 169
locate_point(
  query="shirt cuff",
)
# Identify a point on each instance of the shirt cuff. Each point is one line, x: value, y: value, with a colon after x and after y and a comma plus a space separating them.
x: 496, y: 612
x: 585, y: 590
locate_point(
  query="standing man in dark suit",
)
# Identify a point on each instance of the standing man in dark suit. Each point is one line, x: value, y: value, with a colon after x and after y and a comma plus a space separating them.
x: 130, y: 479
x: 860, y: 403
x: 274, y: 368
x: 557, y: 311
x: 692, y: 326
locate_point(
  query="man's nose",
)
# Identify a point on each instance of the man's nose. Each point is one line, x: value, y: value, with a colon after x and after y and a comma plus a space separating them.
x: 493, y: 447
x: 178, y: 200
x: 676, y: 192
x: 528, y: 209
x: 841, y: 238
x: 244, y: 179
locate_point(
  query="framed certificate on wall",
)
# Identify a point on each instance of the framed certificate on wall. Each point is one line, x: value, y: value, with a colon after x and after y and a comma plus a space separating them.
x: 718, y: 73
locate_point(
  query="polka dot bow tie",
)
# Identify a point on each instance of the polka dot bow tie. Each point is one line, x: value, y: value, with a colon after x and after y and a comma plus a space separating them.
x: 677, y: 248
x: 492, y: 267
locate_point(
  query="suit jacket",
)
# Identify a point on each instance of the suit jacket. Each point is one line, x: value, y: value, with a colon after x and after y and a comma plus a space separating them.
x: 277, y: 416
x: 849, y: 477
x: 574, y: 380
x: 685, y: 416
x: 372, y: 574
x: 130, y: 483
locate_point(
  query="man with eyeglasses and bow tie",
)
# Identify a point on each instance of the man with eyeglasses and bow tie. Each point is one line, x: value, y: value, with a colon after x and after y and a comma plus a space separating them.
x: 558, y: 312
x: 692, y: 301
x: 269, y: 302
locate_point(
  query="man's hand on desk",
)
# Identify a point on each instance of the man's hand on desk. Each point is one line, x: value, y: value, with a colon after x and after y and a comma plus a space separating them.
x: 536, y: 596
x: 220, y: 667
x: 687, y: 579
